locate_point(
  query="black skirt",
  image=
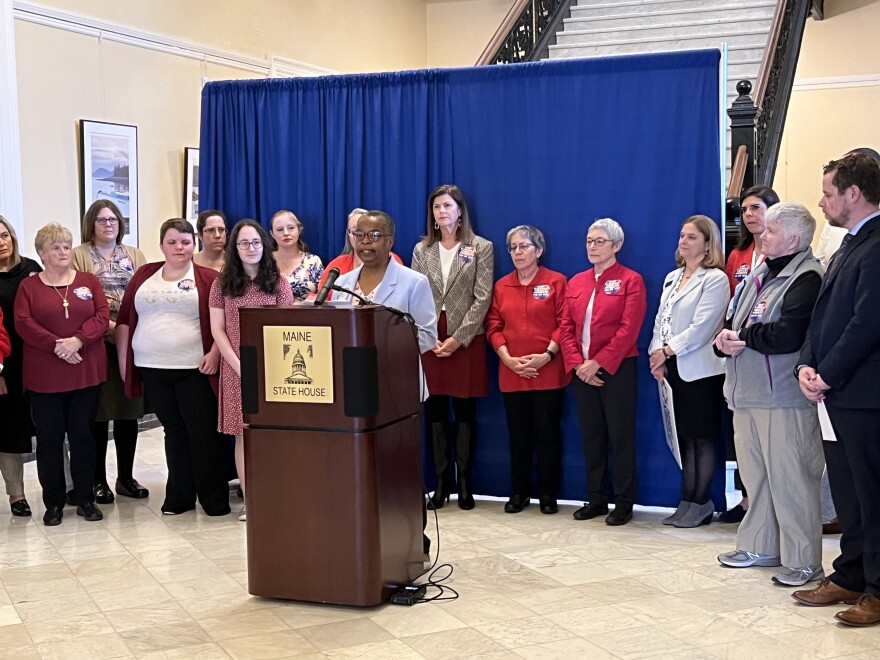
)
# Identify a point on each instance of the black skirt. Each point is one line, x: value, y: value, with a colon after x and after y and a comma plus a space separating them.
x: 698, y: 404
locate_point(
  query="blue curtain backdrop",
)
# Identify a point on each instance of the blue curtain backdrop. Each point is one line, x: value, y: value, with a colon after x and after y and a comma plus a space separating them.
x: 555, y: 144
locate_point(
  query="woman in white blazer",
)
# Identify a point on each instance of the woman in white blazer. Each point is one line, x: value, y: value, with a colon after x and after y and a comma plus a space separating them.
x: 691, y: 313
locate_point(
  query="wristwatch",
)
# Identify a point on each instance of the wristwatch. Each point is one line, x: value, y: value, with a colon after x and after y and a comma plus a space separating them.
x: 797, y: 370
x: 550, y: 353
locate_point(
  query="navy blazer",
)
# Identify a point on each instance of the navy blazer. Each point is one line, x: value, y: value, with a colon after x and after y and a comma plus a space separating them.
x: 843, y: 340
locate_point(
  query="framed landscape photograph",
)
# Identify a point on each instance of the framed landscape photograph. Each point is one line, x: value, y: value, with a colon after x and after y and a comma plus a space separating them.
x: 109, y: 170
x: 191, y: 184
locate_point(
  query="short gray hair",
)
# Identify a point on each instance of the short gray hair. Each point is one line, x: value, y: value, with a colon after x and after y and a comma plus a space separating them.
x: 536, y: 236
x: 610, y: 227
x: 795, y: 220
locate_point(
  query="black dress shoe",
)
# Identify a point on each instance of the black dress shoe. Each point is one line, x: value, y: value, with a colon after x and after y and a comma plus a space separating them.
x: 548, y: 504
x: 733, y: 515
x: 90, y: 512
x: 20, y: 508
x: 516, y: 504
x: 130, y: 488
x: 620, y: 516
x: 591, y: 510
x: 53, y: 516
x: 70, y: 498
x: 103, y: 494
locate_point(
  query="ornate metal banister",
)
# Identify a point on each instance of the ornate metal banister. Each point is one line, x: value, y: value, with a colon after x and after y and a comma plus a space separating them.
x: 775, y: 83
x: 526, y: 32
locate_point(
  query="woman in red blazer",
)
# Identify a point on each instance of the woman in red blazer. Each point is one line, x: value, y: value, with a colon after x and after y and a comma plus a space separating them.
x: 604, y: 310
x: 523, y: 327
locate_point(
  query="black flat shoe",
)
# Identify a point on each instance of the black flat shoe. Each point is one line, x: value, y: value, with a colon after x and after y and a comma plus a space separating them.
x: 20, y: 508
x: 70, y: 498
x: 591, y: 510
x: 516, y: 504
x: 131, y: 488
x: 103, y: 494
x: 620, y: 516
x: 90, y: 512
x: 734, y: 515
x: 53, y: 516
x: 549, y: 505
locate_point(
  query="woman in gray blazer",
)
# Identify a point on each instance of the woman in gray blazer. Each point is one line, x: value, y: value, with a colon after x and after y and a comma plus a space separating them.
x: 691, y: 313
x: 459, y: 267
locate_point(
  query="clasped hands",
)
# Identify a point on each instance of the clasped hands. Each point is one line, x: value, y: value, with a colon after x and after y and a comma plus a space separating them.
x: 526, y: 366
x: 68, y: 350
x: 729, y: 343
x: 812, y: 385
x: 446, y: 347
x: 588, y: 371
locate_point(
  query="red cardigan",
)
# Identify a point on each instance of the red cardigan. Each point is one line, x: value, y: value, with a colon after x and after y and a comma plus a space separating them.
x: 40, y: 320
x: 5, y: 344
x: 618, y: 313
x: 525, y: 319
x: 128, y: 316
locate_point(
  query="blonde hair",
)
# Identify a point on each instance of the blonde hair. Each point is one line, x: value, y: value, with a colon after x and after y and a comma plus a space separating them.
x: 16, y: 257
x: 714, y: 254
x: 51, y: 232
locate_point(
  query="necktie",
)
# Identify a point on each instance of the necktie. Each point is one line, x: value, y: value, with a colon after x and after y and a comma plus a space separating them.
x: 836, y: 257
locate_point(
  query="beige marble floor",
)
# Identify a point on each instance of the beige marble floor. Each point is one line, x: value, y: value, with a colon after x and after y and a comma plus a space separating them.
x: 139, y: 584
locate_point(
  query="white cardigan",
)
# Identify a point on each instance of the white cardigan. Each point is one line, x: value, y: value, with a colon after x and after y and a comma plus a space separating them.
x: 697, y: 316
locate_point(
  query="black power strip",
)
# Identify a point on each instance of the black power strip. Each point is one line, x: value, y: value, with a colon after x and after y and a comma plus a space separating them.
x: 408, y: 595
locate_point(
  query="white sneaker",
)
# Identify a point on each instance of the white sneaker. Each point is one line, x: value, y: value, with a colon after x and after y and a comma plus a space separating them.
x: 795, y: 577
x: 242, y: 515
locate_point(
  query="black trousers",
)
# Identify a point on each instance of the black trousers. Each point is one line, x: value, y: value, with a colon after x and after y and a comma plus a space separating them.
x: 194, y: 451
x: 533, y: 420
x: 853, y: 467
x: 55, y: 415
x: 608, y: 426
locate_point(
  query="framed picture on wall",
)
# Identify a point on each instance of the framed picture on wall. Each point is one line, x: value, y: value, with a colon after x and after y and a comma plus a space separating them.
x: 109, y: 170
x: 191, y: 184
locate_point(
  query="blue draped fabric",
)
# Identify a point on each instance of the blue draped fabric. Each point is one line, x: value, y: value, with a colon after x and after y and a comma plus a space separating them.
x: 555, y: 144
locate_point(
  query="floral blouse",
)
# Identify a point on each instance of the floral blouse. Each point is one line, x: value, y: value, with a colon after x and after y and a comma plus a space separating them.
x: 114, y: 274
x: 305, y: 278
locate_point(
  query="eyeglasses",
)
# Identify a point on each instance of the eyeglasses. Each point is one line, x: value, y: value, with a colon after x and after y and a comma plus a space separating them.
x: 217, y: 231
x: 374, y: 235
x: 519, y: 247
x: 107, y: 221
x: 598, y: 242
x: 256, y: 244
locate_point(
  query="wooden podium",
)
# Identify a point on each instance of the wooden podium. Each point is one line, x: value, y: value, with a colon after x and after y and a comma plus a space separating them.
x: 332, y: 452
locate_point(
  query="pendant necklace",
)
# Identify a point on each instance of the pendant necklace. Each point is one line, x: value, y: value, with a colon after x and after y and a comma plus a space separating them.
x: 64, y: 298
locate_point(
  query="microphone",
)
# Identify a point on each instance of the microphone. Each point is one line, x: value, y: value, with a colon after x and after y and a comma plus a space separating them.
x: 328, y: 286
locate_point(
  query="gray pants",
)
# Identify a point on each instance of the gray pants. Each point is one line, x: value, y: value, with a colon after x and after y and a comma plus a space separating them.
x: 12, y: 468
x: 781, y: 461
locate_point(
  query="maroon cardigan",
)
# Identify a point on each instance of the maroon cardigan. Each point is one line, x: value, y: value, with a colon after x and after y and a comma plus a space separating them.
x: 128, y: 316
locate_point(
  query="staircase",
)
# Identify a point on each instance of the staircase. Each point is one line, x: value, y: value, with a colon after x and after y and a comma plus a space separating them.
x: 617, y: 27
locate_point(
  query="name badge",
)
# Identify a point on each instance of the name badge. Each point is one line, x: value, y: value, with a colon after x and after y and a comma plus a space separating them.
x: 612, y: 287
x: 83, y: 293
x: 466, y: 253
x: 758, y: 311
x: 540, y: 291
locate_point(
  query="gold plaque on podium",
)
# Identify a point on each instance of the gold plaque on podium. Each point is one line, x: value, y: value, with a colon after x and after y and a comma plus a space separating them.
x: 298, y: 363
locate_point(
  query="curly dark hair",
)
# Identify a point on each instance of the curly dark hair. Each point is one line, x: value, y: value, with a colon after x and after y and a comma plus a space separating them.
x: 233, y: 279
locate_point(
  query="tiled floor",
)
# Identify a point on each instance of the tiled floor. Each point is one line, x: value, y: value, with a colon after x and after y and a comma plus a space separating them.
x: 532, y: 586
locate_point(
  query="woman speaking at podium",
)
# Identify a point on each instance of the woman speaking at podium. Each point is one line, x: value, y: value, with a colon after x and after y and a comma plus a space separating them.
x: 383, y: 281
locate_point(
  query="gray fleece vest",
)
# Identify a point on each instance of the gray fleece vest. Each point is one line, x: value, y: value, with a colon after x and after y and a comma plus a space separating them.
x: 752, y: 379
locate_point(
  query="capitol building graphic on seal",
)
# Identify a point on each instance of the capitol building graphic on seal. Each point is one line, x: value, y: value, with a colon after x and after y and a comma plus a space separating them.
x: 298, y: 375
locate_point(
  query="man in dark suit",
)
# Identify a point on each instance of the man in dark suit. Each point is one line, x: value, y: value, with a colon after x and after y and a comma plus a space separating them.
x: 840, y: 365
